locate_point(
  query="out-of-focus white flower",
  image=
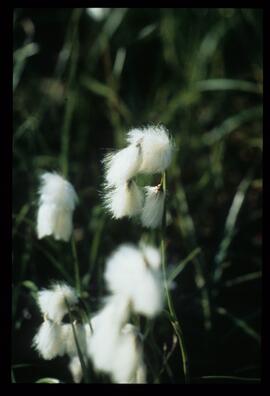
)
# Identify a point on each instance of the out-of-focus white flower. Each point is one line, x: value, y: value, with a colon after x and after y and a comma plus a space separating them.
x: 56, y: 205
x: 107, y: 324
x: 121, y: 166
x: 52, y: 302
x: 76, y: 369
x: 153, y: 208
x: 128, y: 274
x: 124, y: 200
x: 97, y: 13
x: 48, y: 341
x: 156, y: 147
x: 151, y: 255
x: 128, y: 356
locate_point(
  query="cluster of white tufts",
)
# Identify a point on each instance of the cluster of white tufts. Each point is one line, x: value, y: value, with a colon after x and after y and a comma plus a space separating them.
x: 110, y: 342
x: 54, y: 338
x: 56, y: 205
x: 149, y: 151
x: 133, y: 277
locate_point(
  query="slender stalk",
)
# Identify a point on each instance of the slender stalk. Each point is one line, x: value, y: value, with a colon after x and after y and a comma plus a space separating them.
x: 76, y: 266
x: 80, y: 355
x: 173, y: 318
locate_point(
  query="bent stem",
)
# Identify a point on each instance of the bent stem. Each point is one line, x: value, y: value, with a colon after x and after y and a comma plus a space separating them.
x: 173, y: 318
x: 76, y: 266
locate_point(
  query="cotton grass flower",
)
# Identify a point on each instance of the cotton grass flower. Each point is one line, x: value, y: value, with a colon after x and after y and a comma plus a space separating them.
x: 124, y: 200
x: 151, y: 216
x: 156, y: 147
x: 123, y: 165
x: 56, y: 205
x: 128, y: 274
x: 128, y: 361
x: 107, y: 324
x: 48, y: 340
x: 52, y: 302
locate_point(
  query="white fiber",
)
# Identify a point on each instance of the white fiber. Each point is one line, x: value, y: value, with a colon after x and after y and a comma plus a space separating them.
x: 152, y: 212
x: 122, y: 165
x: 56, y: 205
x: 156, y: 148
x: 128, y: 274
x: 107, y: 324
x: 48, y: 340
x: 124, y: 200
x: 128, y: 355
x: 52, y: 301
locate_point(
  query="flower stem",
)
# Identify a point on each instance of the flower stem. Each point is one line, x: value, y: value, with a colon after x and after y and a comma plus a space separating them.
x: 173, y: 318
x: 76, y: 266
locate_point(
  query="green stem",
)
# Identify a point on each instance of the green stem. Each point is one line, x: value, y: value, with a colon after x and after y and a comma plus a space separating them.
x: 173, y: 318
x: 80, y: 355
x: 76, y: 266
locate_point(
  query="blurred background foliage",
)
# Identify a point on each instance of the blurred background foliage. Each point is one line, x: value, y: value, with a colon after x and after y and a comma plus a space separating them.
x: 81, y: 79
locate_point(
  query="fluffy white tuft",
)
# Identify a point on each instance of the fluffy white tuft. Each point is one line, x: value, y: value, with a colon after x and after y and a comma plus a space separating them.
x: 56, y: 205
x: 156, y: 148
x: 122, y: 165
x: 76, y: 369
x: 107, y: 324
x: 52, y: 301
x: 151, y: 255
x: 48, y: 340
x: 152, y: 212
x: 128, y: 356
x: 128, y: 274
x: 124, y: 200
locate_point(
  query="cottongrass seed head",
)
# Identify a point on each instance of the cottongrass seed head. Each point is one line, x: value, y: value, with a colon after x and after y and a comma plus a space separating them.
x: 128, y: 364
x: 48, y: 340
x: 156, y: 146
x: 152, y: 212
x: 52, y: 302
x: 124, y: 200
x: 128, y: 274
x: 122, y: 165
x: 56, y: 205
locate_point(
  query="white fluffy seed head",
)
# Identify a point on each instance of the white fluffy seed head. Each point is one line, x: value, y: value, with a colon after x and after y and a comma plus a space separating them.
x: 48, y: 340
x: 107, y: 324
x: 56, y: 190
x: 128, y: 356
x: 75, y: 369
x: 56, y: 205
x: 124, y: 200
x: 151, y: 216
x: 156, y: 148
x: 122, y: 165
x: 128, y: 274
x: 52, y: 301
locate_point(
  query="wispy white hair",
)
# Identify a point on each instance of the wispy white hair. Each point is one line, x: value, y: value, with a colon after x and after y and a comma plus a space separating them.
x: 122, y: 165
x: 124, y: 200
x: 128, y: 274
x: 107, y: 324
x: 48, y: 341
x: 156, y: 147
x: 56, y: 205
x: 151, y: 216
x: 128, y: 356
x: 52, y: 302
